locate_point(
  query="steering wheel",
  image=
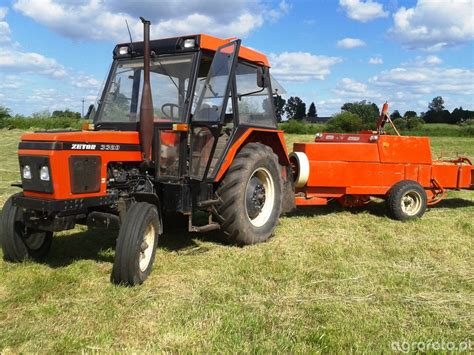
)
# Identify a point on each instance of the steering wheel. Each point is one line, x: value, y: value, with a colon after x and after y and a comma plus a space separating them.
x: 171, y: 110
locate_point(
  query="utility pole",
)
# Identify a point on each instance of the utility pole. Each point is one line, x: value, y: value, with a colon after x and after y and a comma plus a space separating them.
x: 83, y: 107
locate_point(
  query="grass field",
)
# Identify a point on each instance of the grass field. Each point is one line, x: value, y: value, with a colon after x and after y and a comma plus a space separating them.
x: 330, y: 280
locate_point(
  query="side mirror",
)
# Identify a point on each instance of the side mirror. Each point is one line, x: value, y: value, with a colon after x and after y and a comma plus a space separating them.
x: 262, y: 77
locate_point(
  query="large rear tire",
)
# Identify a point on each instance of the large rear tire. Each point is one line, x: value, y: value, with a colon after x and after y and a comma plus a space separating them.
x: 250, y: 196
x: 406, y: 200
x: 19, y: 242
x: 136, y: 245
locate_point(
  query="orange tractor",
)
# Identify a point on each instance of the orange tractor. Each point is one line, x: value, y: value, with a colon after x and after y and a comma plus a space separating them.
x: 187, y: 124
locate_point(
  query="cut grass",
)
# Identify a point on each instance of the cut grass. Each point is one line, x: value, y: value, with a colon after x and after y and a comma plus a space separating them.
x: 330, y: 280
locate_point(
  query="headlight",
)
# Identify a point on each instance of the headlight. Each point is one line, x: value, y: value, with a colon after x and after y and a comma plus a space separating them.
x: 26, y: 172
x: 44, y: 173
x: 123, y: 50
x: 189, y: 43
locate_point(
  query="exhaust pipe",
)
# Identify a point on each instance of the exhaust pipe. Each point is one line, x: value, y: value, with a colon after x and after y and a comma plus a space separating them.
x: 146, y: 105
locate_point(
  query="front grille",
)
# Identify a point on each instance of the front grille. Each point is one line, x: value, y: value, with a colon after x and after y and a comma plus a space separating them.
x: 35, y: 184
x: 85, y: 173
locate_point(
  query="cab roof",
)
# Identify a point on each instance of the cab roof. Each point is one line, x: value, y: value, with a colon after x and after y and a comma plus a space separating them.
x: 176, y: 45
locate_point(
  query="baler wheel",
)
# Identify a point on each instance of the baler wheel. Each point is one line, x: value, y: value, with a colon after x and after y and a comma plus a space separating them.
x: 406, y: 200
x: 250, y: 196
x: 18, y: 241
x: 136, y: 245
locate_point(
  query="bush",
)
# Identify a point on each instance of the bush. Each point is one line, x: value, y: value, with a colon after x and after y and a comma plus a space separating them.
x: 467, y: 128
x: 299, y: 127
x: 367, y: 111
x: 414, y: 123
x: 401, y: 124
x: 345, y: 122
x: 21, y: 122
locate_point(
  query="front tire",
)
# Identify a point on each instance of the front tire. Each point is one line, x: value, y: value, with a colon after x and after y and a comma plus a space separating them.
x: 406, y: 201
x: 136, y: 245
x: 250, y: 196
x: 19, y: 242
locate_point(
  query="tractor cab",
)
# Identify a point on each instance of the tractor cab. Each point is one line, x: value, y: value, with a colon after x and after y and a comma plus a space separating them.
x: 202, y: 89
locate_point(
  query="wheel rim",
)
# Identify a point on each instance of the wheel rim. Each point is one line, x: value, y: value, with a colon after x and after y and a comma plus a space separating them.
x: 35, y: 241
x: 147, y: 247
x: 411, y: 203
x: 260, y: 197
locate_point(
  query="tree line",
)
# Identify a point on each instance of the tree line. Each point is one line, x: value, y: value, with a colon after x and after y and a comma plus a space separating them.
x: 437, y: 113
x: 42, y: 120
x: 293, y: 108
x: 368, y: 112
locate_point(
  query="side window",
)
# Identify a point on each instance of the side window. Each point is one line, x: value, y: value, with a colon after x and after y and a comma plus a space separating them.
x: 212, y: 97
x: 254, y: 103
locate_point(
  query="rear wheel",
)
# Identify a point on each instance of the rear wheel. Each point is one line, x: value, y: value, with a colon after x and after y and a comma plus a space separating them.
x: 250, y: 196
x: 136, y: 245
x: 406, y: 200
x: 18, y: 241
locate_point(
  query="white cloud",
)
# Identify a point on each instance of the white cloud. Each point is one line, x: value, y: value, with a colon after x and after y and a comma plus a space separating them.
x: 301, y: 66
x: 349, y: 43
x: 433, y: 25
x: 277, y: 13
x: 427, y: 80
x: 352, y: 90
x: 428, y: 60
x: 30, y: 81
x: 84, y: 81
x: 5, y: 31
x: 29, y: 62
x: 98, y: 20
x: 363, y: 11
x: 409, y: 86
x: 412, y: 85
x: 11, y: 82
x: 375, y: 60
x: 15, y: 60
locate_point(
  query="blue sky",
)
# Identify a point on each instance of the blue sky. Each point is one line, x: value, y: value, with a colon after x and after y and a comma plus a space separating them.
x: 55, y: 53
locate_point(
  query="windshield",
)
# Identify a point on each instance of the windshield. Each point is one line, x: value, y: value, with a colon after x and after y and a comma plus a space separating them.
x: 169, y: 79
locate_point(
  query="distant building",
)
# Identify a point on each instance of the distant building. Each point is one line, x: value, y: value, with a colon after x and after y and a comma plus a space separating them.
x: 316, y: 119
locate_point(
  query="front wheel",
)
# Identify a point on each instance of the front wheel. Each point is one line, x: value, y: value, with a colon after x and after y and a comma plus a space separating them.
x: 18, y: 241
x: 406, y: 200
x: 136, y: 245
x: 250, y: 196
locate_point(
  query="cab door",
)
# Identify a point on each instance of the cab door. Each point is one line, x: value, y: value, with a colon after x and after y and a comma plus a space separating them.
x: 210, y: 110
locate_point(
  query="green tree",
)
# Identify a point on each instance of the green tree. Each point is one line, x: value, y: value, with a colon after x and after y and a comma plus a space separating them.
x: 4, y: 112
x: 312, y: 110
x: 437, y: 104
x: 300, y: 111
x: 66, y: 114
x: 345, y: 122
x: 400, y: 123
x: 460, y: 115
x: 410, y: 114
x: 395, y: 114
x: 279, y: 104
x: 295, y: 108
x: 367, y: 111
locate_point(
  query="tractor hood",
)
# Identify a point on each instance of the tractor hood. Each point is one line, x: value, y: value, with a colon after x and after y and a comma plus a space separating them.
x: 81, y: 140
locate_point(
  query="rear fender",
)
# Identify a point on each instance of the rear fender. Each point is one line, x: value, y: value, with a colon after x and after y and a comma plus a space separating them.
x: 273, y: 138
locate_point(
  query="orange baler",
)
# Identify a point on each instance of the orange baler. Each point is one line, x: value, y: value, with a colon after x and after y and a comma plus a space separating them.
x: 354, y: 167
